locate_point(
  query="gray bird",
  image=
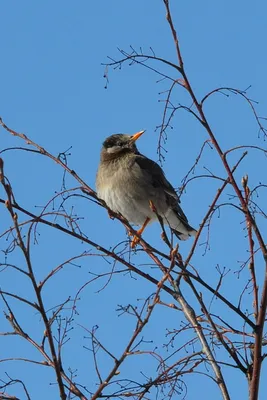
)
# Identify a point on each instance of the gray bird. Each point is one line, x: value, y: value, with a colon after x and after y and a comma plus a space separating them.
x: 132, y: 185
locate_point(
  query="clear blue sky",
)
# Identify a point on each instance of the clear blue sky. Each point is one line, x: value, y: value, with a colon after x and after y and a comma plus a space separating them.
x: 53, y: 90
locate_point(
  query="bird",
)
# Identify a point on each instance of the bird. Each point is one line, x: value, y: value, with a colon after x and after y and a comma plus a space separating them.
x: 135, y: 186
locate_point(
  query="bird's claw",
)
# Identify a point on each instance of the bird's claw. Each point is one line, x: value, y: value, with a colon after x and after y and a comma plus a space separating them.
x: 135, y: 241
x: 136, y: 238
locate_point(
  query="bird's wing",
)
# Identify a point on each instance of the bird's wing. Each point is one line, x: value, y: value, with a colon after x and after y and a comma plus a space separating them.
x: 155, y: 175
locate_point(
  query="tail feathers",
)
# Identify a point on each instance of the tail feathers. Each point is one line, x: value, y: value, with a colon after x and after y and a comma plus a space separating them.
x: 185, y: 236
x: 180, y: 226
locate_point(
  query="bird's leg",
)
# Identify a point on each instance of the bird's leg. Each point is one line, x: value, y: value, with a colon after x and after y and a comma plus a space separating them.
x: 136, y: 239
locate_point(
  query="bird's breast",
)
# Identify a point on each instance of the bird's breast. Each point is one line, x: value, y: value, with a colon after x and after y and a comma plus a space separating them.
x: 122, y: 193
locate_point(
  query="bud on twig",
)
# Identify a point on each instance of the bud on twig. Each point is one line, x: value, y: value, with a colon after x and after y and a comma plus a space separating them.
x: 152, y: 206
x: 244, y: 181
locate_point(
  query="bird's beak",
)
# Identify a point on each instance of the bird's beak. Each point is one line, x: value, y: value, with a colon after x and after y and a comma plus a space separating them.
x: 137, y: 135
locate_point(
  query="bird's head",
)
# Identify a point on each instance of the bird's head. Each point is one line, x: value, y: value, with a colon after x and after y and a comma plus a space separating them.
x: 118, y: 145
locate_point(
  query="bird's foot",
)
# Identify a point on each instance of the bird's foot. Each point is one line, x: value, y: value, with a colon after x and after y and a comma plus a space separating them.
x: 136, y: 238
x: 135, y: 241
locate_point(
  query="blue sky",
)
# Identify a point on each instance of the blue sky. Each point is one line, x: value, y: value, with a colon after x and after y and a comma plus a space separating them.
x: 53, y: 90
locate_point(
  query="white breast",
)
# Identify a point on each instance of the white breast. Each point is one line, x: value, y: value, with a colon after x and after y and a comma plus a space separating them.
x: 120, y: 199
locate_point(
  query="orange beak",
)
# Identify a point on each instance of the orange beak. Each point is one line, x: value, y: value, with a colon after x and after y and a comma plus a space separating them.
x: 137, y: 135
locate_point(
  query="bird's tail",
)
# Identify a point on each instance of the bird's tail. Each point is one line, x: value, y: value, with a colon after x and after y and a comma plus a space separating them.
x: 180, y: 226
x: 185, y: 235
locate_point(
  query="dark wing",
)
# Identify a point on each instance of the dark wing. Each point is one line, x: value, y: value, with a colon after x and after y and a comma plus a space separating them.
x: 157, y: 178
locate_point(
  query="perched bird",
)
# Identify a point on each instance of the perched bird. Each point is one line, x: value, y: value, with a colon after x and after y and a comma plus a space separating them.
x: 131, y: 184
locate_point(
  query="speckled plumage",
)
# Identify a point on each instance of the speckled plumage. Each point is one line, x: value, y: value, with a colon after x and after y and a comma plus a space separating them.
x: 127, y: 181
